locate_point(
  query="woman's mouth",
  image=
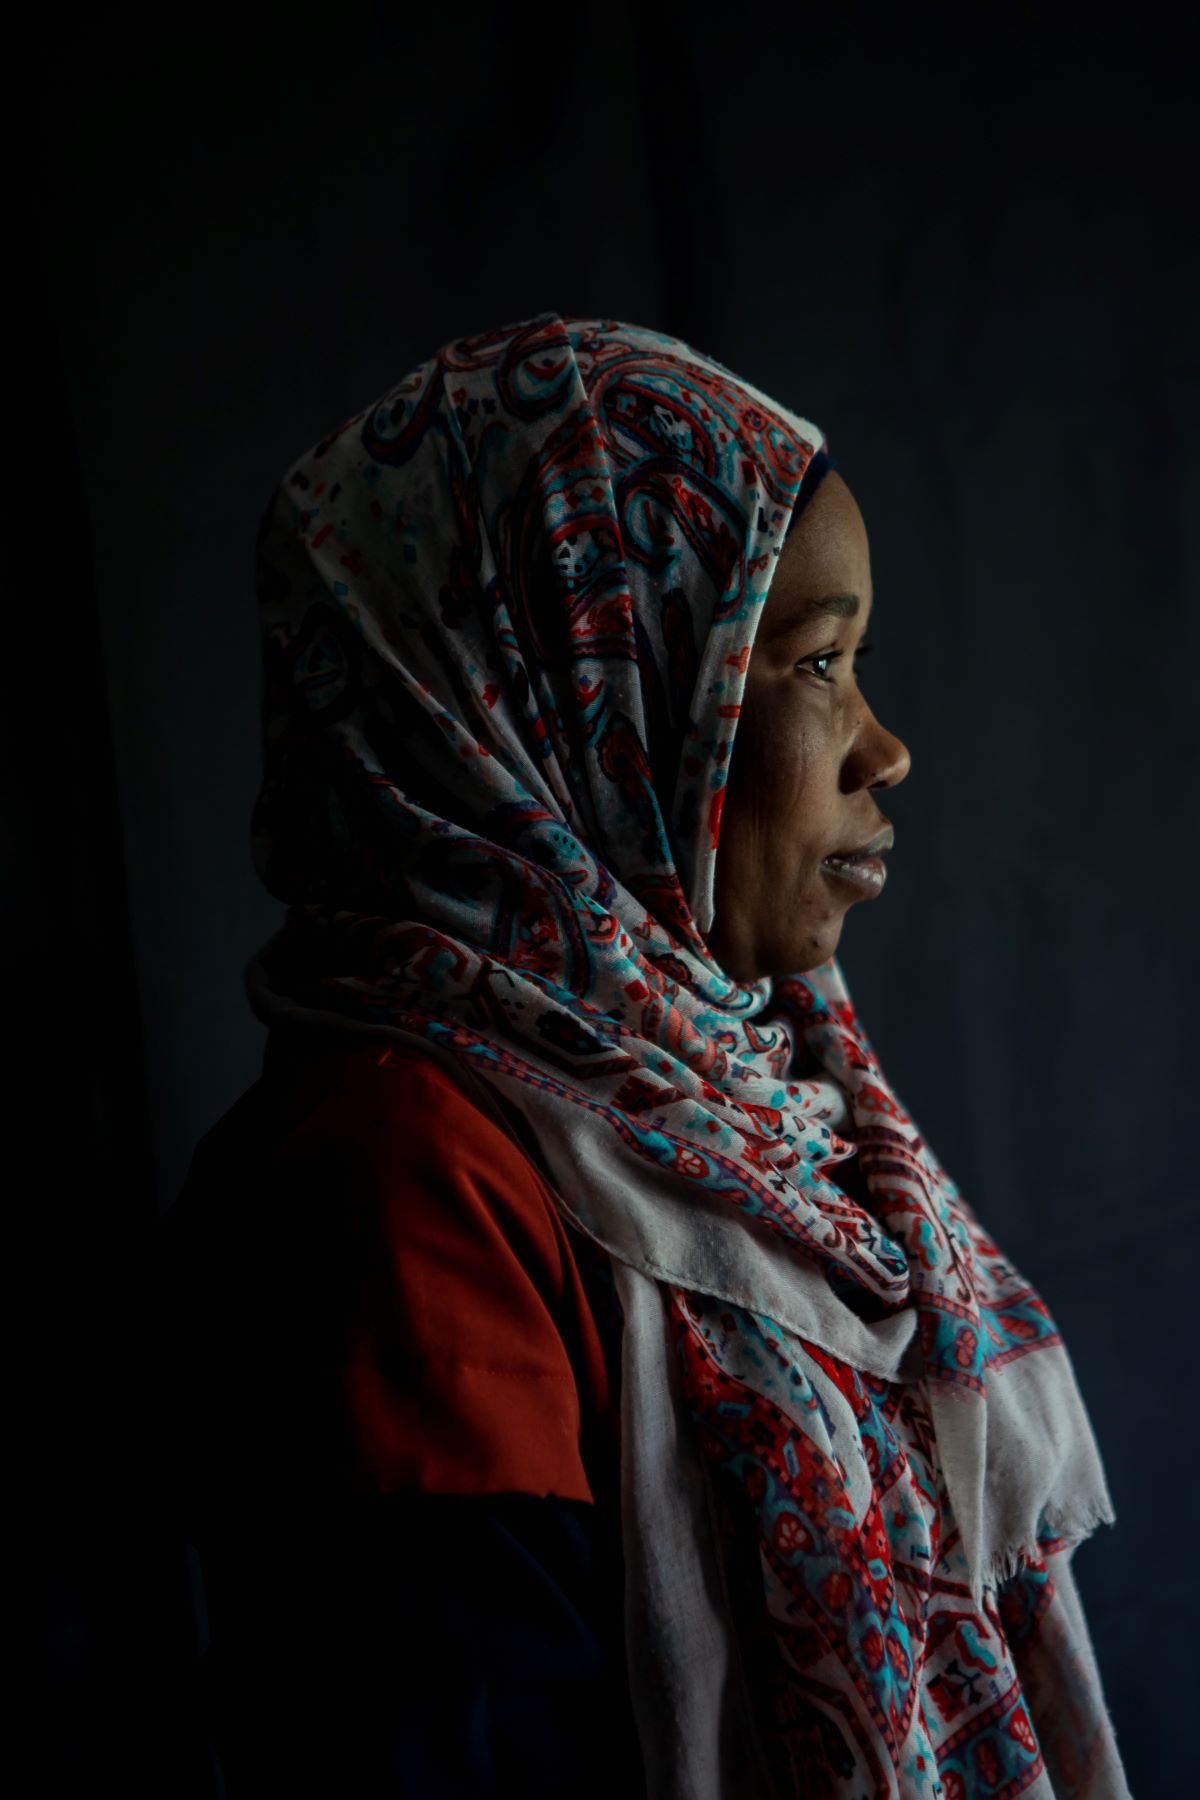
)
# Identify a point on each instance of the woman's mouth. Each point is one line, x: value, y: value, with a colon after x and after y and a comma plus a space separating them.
x: 866, y: 873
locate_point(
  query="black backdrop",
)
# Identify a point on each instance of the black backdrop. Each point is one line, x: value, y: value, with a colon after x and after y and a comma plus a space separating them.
x: 968, y: 250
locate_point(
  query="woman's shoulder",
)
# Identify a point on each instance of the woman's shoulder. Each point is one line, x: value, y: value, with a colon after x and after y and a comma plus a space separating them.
x: 322, y: 1088
x: 361, y: 1206
x: 357, y: 1119
x: 349, y: 1137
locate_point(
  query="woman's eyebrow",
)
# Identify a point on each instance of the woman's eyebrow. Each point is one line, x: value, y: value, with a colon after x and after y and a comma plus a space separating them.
x: 843, y: 606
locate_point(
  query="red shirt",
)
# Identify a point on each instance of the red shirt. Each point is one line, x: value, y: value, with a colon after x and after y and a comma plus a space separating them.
x: 396, y: 1414
x: 388, y: 1298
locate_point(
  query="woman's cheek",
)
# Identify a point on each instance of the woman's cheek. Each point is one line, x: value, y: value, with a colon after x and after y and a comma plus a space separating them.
x: 789, y: 762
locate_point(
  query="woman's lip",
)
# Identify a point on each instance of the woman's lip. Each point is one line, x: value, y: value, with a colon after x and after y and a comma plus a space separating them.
x: 866, y: 873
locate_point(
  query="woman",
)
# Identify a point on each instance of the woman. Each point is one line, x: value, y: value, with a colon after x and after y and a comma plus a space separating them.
x: 597, y: 1383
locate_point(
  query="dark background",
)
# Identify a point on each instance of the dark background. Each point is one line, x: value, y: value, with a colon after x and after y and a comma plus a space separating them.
x: 965, y: 246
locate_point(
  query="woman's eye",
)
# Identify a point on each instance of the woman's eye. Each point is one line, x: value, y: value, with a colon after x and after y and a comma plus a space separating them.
x: 829, y: 656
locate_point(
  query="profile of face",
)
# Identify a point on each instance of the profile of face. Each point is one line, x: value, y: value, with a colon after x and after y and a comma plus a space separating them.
x: 807, y: 756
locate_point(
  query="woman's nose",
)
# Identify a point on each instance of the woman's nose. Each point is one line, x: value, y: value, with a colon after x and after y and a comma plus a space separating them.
x: 879, y: 758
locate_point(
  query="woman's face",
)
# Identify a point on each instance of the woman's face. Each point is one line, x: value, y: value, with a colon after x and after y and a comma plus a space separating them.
x: 807, y: 752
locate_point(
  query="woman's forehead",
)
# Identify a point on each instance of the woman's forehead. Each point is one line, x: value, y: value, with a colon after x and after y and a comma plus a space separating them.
x: 826, y: 554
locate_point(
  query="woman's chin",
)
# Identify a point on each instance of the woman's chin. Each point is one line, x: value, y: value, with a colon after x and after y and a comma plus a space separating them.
x: 808, y: 941
x: 807, y: 949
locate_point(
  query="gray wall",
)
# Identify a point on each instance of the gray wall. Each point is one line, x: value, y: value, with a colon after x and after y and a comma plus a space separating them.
x: 974, y: 263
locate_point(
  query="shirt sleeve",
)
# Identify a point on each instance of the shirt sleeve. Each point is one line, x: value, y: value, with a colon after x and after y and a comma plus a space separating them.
x: 383, y: 1299
x: 379, y: 1337
x: 457, y: 1365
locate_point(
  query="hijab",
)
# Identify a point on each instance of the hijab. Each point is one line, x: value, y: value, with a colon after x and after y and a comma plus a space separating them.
x: 507, y: 611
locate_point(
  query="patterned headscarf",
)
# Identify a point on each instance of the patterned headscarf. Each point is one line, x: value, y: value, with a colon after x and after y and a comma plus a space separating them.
x: 508, y: 613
